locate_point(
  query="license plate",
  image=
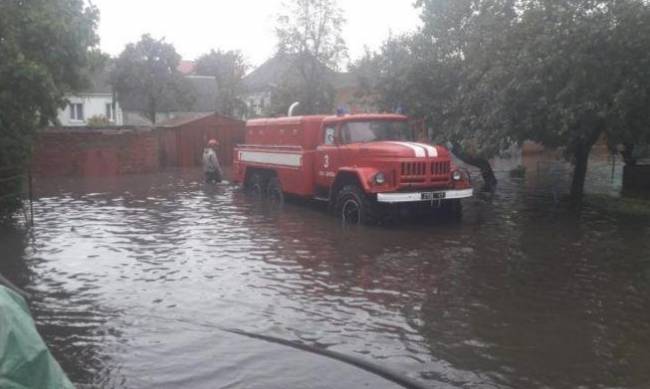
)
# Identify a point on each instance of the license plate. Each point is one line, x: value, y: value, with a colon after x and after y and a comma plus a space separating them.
x: 433, y: 195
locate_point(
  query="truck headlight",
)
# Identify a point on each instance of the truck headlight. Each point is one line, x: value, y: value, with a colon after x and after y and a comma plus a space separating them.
x: 380, y: 179
x: 456, y: 175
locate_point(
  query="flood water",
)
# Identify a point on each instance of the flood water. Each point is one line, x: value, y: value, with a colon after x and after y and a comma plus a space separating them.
x: 133, y: 276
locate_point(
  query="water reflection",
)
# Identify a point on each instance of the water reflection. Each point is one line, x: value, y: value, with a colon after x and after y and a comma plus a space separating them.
x: 131, y: 275
x: 64, y: 309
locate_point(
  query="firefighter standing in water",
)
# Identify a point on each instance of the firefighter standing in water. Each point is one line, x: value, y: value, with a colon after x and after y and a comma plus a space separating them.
x: 211, y: 167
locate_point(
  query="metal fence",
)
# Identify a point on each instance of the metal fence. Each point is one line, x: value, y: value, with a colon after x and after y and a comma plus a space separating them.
x: 24, y: 190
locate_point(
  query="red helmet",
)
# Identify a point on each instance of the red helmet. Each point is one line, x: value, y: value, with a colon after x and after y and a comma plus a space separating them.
x: 213, y: 142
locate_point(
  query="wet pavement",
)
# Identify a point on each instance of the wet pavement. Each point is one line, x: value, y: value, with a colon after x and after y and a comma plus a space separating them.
x: 133, y: 276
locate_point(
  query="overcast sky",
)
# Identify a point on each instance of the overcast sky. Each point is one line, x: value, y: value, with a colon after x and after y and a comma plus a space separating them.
x: 196, y: 26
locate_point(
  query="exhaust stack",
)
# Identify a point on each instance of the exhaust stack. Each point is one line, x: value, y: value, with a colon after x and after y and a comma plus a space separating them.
x: 292, y: 108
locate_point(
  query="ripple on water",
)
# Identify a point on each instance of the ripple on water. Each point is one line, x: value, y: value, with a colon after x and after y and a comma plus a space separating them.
x: 131, y: 280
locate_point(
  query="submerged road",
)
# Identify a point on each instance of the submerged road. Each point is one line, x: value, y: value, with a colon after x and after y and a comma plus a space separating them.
x: 132, y: 278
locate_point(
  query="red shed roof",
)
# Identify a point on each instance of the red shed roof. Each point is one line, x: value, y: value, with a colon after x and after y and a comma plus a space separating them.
x: 195, y: 117
x: 185, y: 119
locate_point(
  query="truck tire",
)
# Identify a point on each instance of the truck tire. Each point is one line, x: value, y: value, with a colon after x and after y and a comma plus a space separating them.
x: 274, y: 192
x: 353, y: 207
x: 254, y: 186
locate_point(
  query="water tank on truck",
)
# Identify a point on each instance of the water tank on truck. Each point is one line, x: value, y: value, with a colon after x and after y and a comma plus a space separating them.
x: 365, y: 166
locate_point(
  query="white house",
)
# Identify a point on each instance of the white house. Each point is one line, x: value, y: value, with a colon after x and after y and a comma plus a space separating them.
x: 98, y: 102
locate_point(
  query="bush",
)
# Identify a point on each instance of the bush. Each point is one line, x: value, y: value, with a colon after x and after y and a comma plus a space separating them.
x: 98, y: 121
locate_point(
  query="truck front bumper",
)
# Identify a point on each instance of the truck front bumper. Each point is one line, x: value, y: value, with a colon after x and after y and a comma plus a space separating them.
x: 414, y: 197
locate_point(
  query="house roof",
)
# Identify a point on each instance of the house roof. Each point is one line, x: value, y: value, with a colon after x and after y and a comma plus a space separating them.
x: 131, y: 118
x: 272, y: 72
x: 268, y: 74
x: 191, y: 117
x: 186, y: 67
x: 185, y: 118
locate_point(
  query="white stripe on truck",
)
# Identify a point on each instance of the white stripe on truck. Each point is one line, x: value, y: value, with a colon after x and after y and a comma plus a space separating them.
x: 417, y: 149
x: 281, y: 159
x: 433, y: 152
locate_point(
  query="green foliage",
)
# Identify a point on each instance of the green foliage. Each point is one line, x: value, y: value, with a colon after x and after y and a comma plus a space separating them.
x: 44, y: 51
x: 491, y: 73
x: 98, y: 121
x: 309, y: 36
x: 228, y: 68
x: 147, y: 80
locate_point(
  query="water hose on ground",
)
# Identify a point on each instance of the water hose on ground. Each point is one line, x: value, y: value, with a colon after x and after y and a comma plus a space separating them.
x: 370, y: 367
x: 347, y: 359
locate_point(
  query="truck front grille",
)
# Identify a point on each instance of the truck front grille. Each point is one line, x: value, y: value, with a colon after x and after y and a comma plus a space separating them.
x: 440, y: 168
x: 414, y: 168
x: 416, y: 172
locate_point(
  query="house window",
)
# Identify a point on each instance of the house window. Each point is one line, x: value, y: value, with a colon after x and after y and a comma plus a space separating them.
x: 77, y: 112
x: 110, y: 113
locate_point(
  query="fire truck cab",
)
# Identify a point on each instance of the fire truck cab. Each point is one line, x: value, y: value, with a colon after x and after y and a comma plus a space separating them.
x: 360, y: 164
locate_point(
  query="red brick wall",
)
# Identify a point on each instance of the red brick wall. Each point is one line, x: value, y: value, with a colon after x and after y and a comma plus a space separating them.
x: 117, y: 151
x: 95, y: 152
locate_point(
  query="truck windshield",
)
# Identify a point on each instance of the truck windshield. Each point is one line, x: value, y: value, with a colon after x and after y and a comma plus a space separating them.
x: 375, y: 131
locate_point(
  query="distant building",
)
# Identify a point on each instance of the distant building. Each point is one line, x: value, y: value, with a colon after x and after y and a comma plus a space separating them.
x: 186, y: 67
x: 95, y: 102
x: 348, y: 90
x: 206, y: 99
x: 261, y: 82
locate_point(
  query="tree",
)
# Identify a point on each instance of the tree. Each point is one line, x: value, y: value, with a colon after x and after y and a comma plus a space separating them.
x: 146, y: 78
x: 44, y: 48
x: 422, y: 74
x: 563, y: 73
x: 462, y: 40
x: 578, y: 71
x: 492, y: 73
x: 309, y: 37
x: 228, y: 68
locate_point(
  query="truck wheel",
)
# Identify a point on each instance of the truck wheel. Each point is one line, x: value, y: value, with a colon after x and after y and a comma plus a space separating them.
x: 353, y: 206
x: 274, y: 192
x: 255, y: 186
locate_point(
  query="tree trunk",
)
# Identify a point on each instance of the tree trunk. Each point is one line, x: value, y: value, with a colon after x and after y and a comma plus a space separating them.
x: 581, y: 152
x: 152, y: 110
x: 581, y: 162
x: 483, y: 164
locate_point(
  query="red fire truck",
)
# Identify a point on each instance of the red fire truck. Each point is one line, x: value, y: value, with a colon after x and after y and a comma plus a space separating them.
x: 361, y: 165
